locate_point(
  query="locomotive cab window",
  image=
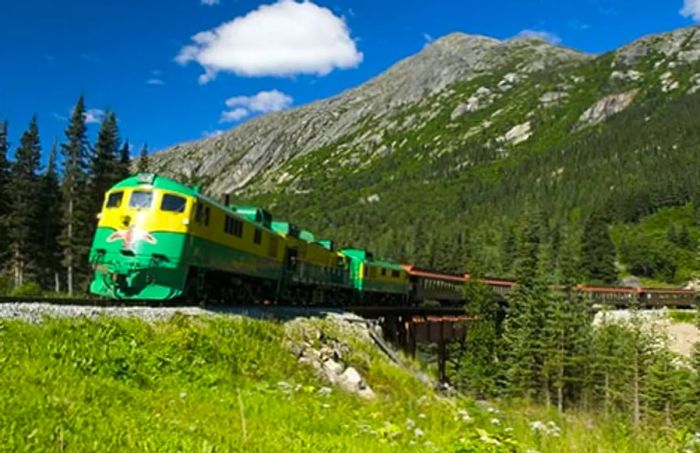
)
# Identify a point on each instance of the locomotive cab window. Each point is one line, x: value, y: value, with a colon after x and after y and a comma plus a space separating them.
x: 114, y: 200
x: 258, y: 236
x: 173, y: 203
x: 141, y: 199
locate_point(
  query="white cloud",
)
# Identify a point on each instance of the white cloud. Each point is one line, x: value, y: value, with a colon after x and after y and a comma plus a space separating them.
x: 282, y: 39
x: 214, y: 133
x: 263, y: 102
x: 93, y: 116
x: 540, y: 34
x: 691, y: 8
x: 231, y: 116
x: 210, y: 2
x: 155, y: 81
x: 578, y: 25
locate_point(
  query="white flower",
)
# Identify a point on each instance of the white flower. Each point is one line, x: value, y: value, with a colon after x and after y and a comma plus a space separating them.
x: 537, y: 426
x: 410, y: 424
x: 495, y: 421
x: 418, y: 432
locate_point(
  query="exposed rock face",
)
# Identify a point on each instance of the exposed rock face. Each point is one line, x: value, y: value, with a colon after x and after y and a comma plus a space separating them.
x: 232, y: 159
x: 682, y: 45
x: 518, y: 134
x: 606, y: 107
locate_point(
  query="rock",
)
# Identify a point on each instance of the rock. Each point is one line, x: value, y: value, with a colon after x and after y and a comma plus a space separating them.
x: 351, y: 381
x: 606, y: 107
x: 552, y: 97
x: 518, y: 134
x: 630, y: 75
x: 631, y: 282
x: 373, y: 198
x: 460, y: 110
x: 332, y: 370
x: 483, y: 92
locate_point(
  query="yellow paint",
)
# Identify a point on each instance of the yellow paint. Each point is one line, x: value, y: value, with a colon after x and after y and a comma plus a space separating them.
x: 152, y: 220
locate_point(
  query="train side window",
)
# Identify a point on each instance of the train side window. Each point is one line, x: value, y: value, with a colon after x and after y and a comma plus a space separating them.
x: 173, y: 203
x: 141, y: 199
x: 258, y: 236
x: 383, y: 272
x: 233, y: 226
x: 365, y: 271
x: 114, y: 199
x: 201, y: 215
x: 395, y: 274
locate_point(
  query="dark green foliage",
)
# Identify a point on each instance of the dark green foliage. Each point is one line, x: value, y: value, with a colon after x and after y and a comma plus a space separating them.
x: 142, y: 166
x: 4, y: 193
x: 105, y: 170
x: 598, y: 250
x: 124, y: 165
x: 477, y: 369
x: 77, y: 201
x: 25, y: 218
x: 50, y: 207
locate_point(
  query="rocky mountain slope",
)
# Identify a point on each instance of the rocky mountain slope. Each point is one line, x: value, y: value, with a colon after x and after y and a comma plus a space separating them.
x: 228, y: 162
x: 449, y: 147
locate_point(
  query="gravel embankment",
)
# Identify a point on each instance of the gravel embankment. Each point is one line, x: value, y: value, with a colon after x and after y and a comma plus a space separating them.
x: 36, y: 312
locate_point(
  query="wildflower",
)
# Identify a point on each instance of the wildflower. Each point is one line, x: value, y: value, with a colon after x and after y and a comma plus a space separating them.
x: 410, y: 424
x: 418, y: 432
x: 537, y: 426
x: 324, y: 391
x: 495, y: 421
x: 325, y: 405
x: 183, y: 395
x: 421, y: 415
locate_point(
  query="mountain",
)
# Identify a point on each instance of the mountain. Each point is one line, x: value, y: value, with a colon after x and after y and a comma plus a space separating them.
x: 229, y: 161
x: 436, y: 159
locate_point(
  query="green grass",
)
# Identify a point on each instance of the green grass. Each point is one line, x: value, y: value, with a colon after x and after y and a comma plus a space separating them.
x: 689, y: 316
x: 226, y: 384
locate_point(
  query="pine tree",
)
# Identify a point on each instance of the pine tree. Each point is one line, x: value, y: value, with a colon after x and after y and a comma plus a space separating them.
x: 598, y: 250
x: 50, y: 206
x: 104, y: 168
x: 523, y: 323
x: 124, y: 165
x: 4, y: 192
x: 25, y: 215
x: 76, y: 200
x: 142, y: 165
x: 479, y: 365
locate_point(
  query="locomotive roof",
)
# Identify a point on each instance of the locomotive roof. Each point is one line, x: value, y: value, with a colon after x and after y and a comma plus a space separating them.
x: 156, y: 182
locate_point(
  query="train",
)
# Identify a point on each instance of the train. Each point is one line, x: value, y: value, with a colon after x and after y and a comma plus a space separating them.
x: 158, y: 239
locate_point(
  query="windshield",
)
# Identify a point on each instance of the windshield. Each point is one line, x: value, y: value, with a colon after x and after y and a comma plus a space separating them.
x: 173, y: 203
x: 141, y: 200
x: 114, y: 200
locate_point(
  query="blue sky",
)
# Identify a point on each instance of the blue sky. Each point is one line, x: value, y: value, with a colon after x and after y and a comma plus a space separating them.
x: 139, y: 58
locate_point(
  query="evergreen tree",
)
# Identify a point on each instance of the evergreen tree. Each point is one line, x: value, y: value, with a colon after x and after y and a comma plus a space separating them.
x: 124, y: 161
x: 523, y: 323
x: 104, y: 168
x: 25, y: 215
x: 4, y: 193
x: 142, y: 165
x: 77, y: 203
x: 598, y: 251
x: 50, y: 206
x: 478, y: 368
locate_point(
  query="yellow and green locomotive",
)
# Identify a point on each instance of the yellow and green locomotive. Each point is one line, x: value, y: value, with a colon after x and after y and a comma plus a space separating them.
x: 158, y: 239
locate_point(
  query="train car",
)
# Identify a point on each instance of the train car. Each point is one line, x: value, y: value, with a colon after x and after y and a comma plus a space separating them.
x: 428, y: 285
x: 314, y: 270
x: 157, y: 239
x: 377, y: 280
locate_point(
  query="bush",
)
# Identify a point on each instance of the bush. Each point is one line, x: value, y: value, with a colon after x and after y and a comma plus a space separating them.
x: 27, y: 289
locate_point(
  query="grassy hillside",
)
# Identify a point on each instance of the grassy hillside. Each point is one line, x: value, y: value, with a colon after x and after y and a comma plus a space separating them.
x: 227, y: 384
x: 438, y: 182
